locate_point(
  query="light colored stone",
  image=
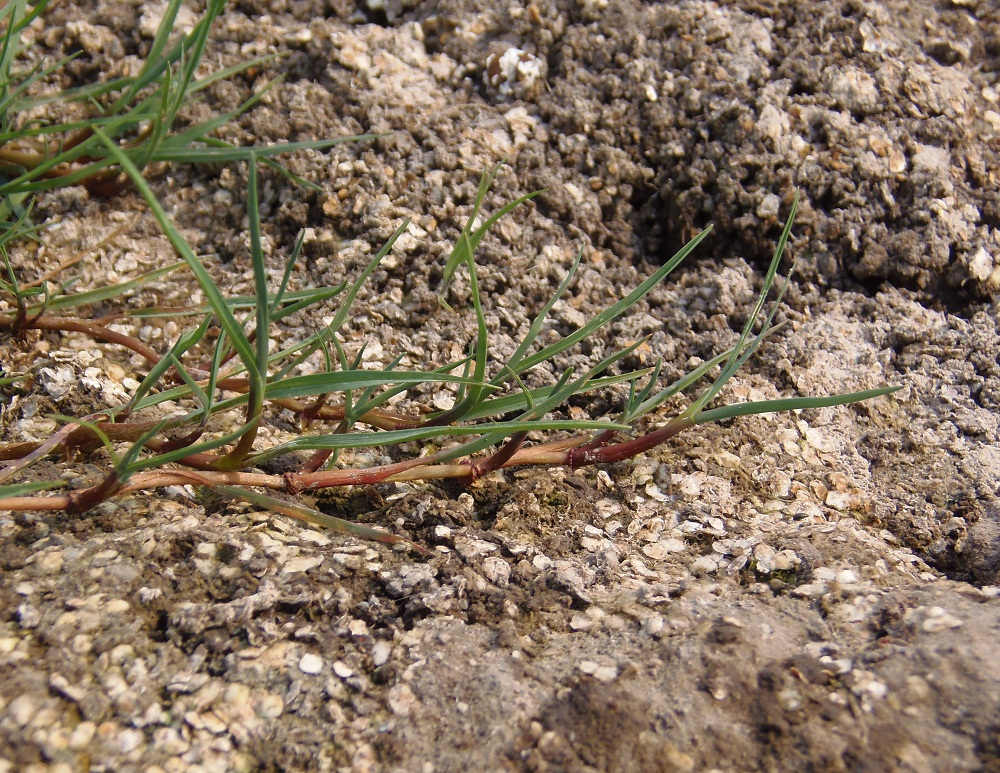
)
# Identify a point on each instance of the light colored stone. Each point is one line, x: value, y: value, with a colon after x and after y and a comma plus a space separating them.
x: 938, y: 619
x: 301, y: 564
x: 341, y: 669
x: 401, y: 699
x: 381, y: 651
x: 497, y: 571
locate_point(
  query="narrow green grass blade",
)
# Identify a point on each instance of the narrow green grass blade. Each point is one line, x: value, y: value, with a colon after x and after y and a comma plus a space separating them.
x: 219, y: 155
x: 181, y: 453
x: 398, y: 436
x: 367, y: 400
x: 790, y: 404
x: 469, y: 239
x: 458, y: 253
x: 734, y: 362
x: 291, y: 176
x: 205, y: 281
x: 563, y: 392
x: 202, y: 132
x: 306, y: 349
x: 124, y: 467
x: 10, y: 47
x: 612, y: 312
x: 71, y: 422
x: 20, y: 17
x: 89, y: 92
x: 481, y: 357
x: 154, y: 62
x: 636, y: 400
x: 31, y: 180
x: 390, y: 390
x: 92, y: 297
x: 39, y: 132
x: 558, y: 394
x: 17, y: 230
x: 228, y: 72
x: 316, y: 384
x: 685, y: 382
x: 184, y: 342
x: 190, y: 59
x: 12, y: 101
x: 199, y: 394
x: 257, y: 375
x: 259, y: 267
x: 113, y: 126
x: 275, y: 303
x: 536, y: 324
x: 499, y: 406
x: 308, y: 514
x: 296, y: 300
x: 23, y: 489
x: 341, y: 381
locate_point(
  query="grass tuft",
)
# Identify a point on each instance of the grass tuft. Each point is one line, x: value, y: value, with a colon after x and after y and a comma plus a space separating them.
x: 223, y: 398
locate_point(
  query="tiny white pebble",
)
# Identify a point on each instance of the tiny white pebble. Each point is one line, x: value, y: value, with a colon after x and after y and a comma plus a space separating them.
x: 341, y: 669
x: 938, y: 619
x: 381, y: 652
x: 581, y: 623
x: 311, y: 664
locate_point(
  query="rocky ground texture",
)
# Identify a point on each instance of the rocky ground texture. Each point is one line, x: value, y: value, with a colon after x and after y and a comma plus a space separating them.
x: 815, y: 591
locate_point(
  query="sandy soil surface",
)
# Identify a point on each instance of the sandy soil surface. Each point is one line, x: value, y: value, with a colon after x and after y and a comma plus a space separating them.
x: 796, y: 592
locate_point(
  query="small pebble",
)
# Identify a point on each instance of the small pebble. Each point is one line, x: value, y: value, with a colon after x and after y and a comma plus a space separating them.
x: 22, y: 709
x: 168, y: 740
x: 381, y: 652
x: 82, y: 735
x: 341, y: 669
x: 938, y: 619
x: 497, y: 571
x: 130, y: 740
x: 601, y: 673
x: 401, y: 699
x: 311, y: 663
x: 865, y: 684
x: 301, y: 564
x: 581, y: 623
x: 270, y: 706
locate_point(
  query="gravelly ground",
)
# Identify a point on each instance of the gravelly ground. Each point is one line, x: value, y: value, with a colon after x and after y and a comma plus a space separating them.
x: 807, y: 592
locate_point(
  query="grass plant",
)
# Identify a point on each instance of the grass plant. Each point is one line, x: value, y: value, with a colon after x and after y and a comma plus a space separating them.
x: 226, y: 389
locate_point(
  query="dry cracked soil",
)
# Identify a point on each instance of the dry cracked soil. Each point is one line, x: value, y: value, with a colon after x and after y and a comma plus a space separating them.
x: 798, y: 592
